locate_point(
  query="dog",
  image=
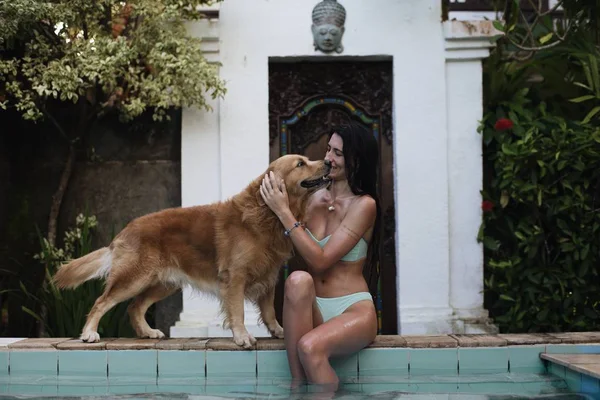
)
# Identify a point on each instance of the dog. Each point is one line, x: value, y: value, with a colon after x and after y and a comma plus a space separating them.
x: 232, y: 249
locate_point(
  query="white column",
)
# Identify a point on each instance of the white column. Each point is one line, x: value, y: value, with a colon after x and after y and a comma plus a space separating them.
x: 420, y: 158
x: 201, y: 183
x: 467, y: 43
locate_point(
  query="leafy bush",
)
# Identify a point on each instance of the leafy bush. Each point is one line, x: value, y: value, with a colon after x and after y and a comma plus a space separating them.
x: 65, y: 311
x: 541, y: 226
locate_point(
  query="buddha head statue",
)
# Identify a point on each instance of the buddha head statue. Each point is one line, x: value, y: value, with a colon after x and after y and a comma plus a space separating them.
x: 328, y: 18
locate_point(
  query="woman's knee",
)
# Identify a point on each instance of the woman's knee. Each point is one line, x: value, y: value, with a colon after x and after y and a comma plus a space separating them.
x: 299, y: 287
x: 311, y: 350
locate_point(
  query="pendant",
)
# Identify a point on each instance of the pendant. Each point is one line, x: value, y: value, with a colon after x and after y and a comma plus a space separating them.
x: 331, y: 208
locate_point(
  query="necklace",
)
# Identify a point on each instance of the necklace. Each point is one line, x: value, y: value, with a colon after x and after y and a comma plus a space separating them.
x: 331, y: 206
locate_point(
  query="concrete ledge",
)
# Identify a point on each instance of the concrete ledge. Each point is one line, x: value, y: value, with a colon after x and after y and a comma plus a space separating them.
x: 382, y: 341
x: 587, y: 364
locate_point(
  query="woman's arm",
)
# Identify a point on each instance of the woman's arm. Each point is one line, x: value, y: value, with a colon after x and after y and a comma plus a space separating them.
x: 359, y: 218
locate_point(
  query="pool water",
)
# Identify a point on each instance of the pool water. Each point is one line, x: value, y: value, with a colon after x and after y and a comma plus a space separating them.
x: 475, y: 386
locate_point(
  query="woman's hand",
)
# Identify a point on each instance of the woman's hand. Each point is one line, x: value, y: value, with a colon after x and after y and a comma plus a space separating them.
x: 274, y: 193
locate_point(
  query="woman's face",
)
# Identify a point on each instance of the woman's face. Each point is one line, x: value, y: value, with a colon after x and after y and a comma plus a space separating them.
x: 335, y: 155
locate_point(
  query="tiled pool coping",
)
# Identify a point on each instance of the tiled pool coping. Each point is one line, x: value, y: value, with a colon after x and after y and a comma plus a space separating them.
x: 587, y: 364
x: 382, y: 341
x: 467, y: 360
x: 580, y: 370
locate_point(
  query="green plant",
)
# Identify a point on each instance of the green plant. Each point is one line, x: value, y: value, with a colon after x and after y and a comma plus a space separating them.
x: 65, y: 311
x: 73, y: 62
x: 541, y: 224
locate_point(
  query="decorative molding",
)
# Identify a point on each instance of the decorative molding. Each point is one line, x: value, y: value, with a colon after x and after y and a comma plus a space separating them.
x: 468, y: 40
x: 354, y: 109
x: 207, y: 30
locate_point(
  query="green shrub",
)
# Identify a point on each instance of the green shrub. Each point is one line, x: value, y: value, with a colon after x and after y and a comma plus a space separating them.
x: 541, y: 225
x: 64, y: 311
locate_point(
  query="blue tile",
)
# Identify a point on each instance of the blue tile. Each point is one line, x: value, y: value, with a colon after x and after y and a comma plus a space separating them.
x: 573, y: 379
x: 345, y: 367
x: 188, y: 389
x: 490, y: 388
x: 588, y: 348
x: 556, y: 369
x: 4, y: 355
x: 178, y: 363
x: 81, y: 381
x: 32, y: 389
x: 482, y: 360
x: 535, y: 388
x: 132, y: 363
x: 126, y: 389
x: 33, y: 363
x: 383, y: 362
x: 272, y: 363
x: 369, y: 388
x: 526, y: 359
x: 151, y: 388
x: 84, y: 363
x: 573, y: 348
x: 230, y: 363
x: 181, y: 381
x: 231, y: 390
x: 559, y: 348
x: 437, y: 388
x: 589, y: 385
x: 433, y: 361
x: 273, y: 390
x: 73, y: 390
x: 352, y: 388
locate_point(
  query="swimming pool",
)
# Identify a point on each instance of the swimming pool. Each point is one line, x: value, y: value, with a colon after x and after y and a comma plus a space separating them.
x: 447, y: 366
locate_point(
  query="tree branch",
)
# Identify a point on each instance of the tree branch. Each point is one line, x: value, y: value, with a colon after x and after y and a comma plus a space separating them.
x: 54, y: 122
x: 59, y: 194
x: 550, y: 11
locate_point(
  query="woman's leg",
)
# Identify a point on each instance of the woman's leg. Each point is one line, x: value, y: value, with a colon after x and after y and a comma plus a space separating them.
x: 300, y: 315
x: 345, y: 334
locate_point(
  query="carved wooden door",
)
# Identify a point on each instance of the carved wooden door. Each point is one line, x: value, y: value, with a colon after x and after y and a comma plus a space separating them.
x: 306, y: 100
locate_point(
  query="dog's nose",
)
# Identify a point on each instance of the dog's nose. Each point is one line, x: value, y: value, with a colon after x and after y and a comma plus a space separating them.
x: 328, y: 163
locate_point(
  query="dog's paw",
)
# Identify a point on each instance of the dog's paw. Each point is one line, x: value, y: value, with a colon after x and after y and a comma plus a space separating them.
x: 245, y: 340
x: 90, y: 337
x: 277, y: 332
x: 153, y: 334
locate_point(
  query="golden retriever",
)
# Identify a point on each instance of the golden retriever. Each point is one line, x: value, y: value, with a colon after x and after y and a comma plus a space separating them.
x: 232, y: 249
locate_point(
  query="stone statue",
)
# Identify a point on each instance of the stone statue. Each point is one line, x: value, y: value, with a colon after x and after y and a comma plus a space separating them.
x: 328, y: 18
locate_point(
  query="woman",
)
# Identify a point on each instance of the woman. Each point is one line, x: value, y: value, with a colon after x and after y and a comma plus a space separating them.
x: 328, y: 310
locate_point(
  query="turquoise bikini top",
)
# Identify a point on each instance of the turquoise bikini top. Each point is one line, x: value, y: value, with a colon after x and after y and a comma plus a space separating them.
x: 359, y: 251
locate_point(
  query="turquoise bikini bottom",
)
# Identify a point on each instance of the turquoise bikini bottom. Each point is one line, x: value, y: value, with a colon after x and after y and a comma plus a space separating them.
x: 333, y: 306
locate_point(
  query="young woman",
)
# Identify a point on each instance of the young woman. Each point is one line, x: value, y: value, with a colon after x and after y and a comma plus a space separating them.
x: 328, y: 310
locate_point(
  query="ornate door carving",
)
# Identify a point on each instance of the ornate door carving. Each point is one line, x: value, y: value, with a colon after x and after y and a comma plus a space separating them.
x: 306, y: 100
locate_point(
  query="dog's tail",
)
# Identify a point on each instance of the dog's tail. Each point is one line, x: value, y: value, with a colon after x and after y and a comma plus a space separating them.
x: 94, y: 265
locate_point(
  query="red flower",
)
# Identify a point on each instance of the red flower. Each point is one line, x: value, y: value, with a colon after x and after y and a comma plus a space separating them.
x: 487, y: 206
x: 503, y: 124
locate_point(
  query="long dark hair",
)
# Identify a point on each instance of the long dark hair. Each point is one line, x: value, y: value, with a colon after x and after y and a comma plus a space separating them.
x: 361, y: 156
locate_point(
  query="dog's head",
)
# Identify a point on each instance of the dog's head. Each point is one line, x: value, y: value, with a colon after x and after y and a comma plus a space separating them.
x: 301, y: 176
